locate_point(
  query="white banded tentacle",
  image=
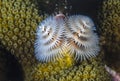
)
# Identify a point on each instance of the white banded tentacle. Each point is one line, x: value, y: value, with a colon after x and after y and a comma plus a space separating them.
x: 79, y: 33
x: 59, y: 35
x: 50, y: 39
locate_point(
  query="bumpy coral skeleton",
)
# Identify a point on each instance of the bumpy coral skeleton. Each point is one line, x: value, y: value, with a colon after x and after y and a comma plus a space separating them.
x: 109, y: 30
x: 67, y: 70
x: 18, y: 22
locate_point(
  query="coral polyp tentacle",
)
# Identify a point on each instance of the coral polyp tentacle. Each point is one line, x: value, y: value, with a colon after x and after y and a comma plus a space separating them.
x: 50, y: 39
x: 83, y: 41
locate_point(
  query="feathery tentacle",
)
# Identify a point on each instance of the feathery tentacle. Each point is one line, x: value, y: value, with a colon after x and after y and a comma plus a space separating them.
x: 80, y: 35
x: 50, y: 39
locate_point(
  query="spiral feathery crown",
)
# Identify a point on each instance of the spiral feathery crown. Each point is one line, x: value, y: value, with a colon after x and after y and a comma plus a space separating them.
x: 73, y: 34
x: 80, y: 35
x: 50, y: 39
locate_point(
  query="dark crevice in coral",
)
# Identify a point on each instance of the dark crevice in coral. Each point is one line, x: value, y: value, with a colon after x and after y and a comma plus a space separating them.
x: 13, y: 70
x: 112, y: 58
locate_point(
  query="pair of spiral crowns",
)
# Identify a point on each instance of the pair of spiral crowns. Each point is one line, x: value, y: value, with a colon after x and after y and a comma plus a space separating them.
x: 59, y: 34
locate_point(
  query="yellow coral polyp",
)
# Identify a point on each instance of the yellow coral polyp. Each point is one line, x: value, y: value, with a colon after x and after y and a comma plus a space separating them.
x: 88, y: 68
x: 85, y: 79
x: 15, y: 11
x: 16, y: 30
x: 68, y: 60
x: 27, y: 21
x: 14, y: 38
x: 3, y: 10
x: 69, y: 78
x: 6, y: 38
x: 16, y: 4
x: 1, y: 36
x: 92, y: 74
x: 5, y: 30
x: 15, y: 45
x: 10, y: 43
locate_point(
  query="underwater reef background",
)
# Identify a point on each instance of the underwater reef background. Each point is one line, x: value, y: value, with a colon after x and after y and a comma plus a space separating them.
x: 18, y: 22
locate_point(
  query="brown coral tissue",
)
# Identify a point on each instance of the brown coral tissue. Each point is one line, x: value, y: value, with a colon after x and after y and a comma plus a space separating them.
x: 109, y: 30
